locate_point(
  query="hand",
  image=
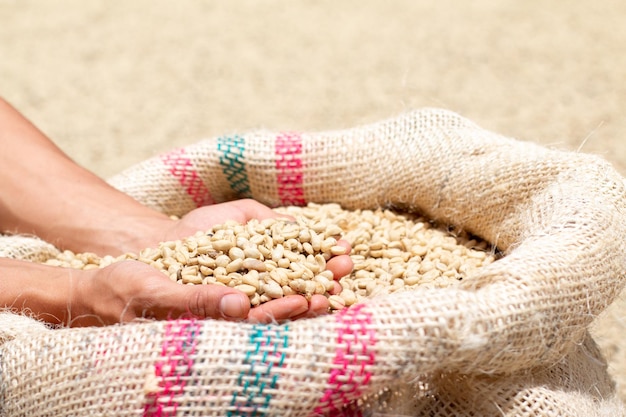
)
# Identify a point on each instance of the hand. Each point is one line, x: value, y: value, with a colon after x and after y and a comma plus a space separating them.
x: 242, y: 211
x: 129, y: 290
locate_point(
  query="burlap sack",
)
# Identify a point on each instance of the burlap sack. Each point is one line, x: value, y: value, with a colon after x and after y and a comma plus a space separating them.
x: 511, y: 341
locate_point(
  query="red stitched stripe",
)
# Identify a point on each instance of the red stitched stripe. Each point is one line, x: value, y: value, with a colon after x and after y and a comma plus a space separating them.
x: 289, y: 178
x: 173, y: 369
x: 354, y: 355
x: 181, y: 167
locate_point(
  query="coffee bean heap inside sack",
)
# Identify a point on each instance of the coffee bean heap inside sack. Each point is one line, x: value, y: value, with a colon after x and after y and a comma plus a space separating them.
x: 272, y: 258
x: 394, y: 251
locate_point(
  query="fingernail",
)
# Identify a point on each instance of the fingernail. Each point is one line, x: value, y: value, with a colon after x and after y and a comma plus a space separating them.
x: 233, y: 306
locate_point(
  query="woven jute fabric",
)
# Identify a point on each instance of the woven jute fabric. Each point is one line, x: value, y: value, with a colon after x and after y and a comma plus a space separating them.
x: 29, y: 248
x: 512, y: 340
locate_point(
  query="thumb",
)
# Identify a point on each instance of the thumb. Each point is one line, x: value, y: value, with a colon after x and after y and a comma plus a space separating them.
x: 200, y: 301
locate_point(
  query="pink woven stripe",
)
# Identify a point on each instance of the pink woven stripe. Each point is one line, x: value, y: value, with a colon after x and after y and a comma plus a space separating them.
x: 289, y: 178
x: 174, y: 367
x: 355, y: 354
x: 181, y: 167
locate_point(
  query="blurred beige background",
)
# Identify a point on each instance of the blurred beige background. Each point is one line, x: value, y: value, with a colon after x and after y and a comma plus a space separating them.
x: 115, y: 82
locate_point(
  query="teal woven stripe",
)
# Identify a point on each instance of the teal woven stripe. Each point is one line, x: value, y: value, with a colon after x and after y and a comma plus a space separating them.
x: 233, y: 164
x: 264, y: 354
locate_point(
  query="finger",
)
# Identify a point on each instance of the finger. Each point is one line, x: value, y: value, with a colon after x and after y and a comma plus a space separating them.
x: 337, y: 288
x: 172, y: 300
x: 278, y: 310
x: 318, y: 305
x: 340, y: 266
x: 345, y: 244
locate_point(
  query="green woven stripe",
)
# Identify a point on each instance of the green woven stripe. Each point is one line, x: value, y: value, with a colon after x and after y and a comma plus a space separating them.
x: 233, y: 164
x: 265, y: 353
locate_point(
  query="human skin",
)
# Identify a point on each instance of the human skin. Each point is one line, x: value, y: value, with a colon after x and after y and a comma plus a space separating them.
x: 46, y: 194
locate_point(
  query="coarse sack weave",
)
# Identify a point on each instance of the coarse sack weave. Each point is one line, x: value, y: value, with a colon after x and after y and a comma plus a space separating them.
x: 512, y: 340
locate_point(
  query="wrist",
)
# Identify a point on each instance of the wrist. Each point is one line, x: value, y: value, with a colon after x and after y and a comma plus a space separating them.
x: 41, y: 291
x: 123, y: 233
x: 137, y: 233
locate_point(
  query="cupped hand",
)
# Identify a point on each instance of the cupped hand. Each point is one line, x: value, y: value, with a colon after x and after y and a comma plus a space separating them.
x: 242, y: 211
x: 130, y: 290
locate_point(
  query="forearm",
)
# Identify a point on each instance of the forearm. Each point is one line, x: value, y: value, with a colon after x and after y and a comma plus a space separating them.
x: 43, y: 192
